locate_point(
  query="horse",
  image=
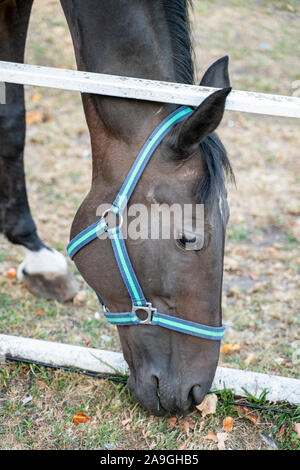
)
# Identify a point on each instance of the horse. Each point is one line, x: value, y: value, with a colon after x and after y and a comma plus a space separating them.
x: 171, y: 370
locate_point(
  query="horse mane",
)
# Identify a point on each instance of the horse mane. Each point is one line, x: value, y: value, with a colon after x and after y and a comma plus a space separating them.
x: 176, y: 12
x: 216, y: 162
x: 216, y: 166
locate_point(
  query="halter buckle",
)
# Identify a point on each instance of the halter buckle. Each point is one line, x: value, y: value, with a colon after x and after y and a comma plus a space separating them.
x: 148, y: 309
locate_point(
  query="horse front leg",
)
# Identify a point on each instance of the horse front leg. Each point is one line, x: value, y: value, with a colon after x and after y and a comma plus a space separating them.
x: 44, y: 270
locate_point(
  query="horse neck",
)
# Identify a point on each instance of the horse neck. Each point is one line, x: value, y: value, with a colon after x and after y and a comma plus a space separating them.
x: 130, y: 41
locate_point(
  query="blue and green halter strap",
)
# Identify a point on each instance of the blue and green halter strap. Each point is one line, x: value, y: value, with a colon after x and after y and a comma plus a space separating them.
x: 142, y: 311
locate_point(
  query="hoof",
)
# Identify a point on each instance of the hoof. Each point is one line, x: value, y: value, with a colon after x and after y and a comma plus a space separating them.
x: 52, y: 286
x: 45, y: 273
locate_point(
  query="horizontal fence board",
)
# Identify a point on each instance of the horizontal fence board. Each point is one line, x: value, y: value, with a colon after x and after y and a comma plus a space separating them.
x: 280, y: 389
x: 141, y: 89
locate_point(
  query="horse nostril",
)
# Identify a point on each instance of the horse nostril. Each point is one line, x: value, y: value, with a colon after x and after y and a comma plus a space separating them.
x: 198, y: 393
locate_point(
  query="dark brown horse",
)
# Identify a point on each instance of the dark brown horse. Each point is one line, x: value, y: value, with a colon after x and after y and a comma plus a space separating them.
x: 169, y: 371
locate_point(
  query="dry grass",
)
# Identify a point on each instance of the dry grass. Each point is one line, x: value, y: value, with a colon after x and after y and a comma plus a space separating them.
x: 261, y: 280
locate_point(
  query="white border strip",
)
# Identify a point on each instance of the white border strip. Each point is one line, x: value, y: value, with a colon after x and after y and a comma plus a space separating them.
x: 281, y: 389
x: 150, y: 90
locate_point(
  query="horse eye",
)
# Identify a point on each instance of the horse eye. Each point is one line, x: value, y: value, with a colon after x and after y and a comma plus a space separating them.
x: 185, y: 241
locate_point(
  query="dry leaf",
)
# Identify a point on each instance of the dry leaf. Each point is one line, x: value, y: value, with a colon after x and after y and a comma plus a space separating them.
x: 222, y: 437
x: 258, y: 287
x: 209, y: 405
x: 211, y: 437
x: 290, y: 8
x: 36, y: 98
x: 126, y: 421
x: 229, y: 348
x: 25, y: 369
x: 80, y: 418
x: 171, y: 422
x: 186, y: 424
x: 281, y: 432
x: 47, y: 117
x: 271, y: 249
x: 253, y: 418
x: 182, y: 446
x: 11, y: 273
x: 228, y: 424
x: 34, y: 117
x: 246, y: 414
x: 39, y: 312
x: 249, y: 359
x: 297, y: 429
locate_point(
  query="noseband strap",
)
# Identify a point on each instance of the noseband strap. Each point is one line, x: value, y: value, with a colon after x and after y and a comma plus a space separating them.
x: 142, y: 311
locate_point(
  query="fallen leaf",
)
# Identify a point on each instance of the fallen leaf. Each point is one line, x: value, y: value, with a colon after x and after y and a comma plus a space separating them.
x: 171, y: 422
x: 211, y: 437
x: 249, y: 359
x: 281, y: 432
x: 36, y: 98
x: 254, y: 276
x: 182, y: 446
x: 39, y: 313
x: 228, y: 424
x: 80, y: 418
x: 247, y: 414
x: 11, y: 273
x: 271, y: 249
x: 290, y: 8
x: 186, y: 424
x: 280, y: 360
x: 297, y: 429
x: 25, y: 369
x: 258, y: 287
x: 229, y: 348
x: 47, y: 117
x: 126, y: 421
x: 34, y: 117
x: 209, y: 405
x: 222, y: 437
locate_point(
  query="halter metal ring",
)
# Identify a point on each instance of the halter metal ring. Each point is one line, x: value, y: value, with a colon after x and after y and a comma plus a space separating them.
x: 107, y: 211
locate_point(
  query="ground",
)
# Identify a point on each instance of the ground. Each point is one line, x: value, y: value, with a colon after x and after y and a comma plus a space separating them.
x: 261, y: 278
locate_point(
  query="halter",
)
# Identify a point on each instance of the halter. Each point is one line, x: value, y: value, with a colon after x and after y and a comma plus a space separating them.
x: 142, y: 311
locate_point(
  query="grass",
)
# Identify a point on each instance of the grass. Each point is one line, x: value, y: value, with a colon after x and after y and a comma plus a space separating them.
x: 116, y: 421
x: 238, y: 234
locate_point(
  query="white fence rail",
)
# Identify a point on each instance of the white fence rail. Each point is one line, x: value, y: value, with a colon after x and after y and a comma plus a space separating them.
x: 150, y: 90
x: 280, y: 389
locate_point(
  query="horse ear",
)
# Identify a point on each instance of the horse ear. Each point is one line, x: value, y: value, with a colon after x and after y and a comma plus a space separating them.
x: 202, y: 122
x: 217, y: 74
